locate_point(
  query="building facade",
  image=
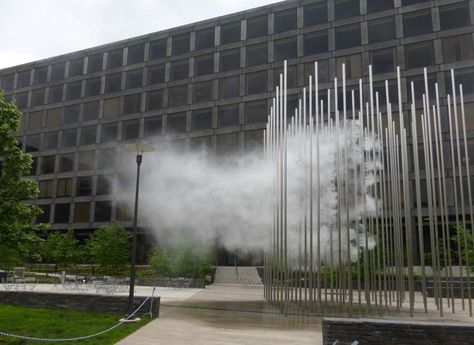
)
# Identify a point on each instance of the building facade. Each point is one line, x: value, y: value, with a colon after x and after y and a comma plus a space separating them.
x: 210, y: 84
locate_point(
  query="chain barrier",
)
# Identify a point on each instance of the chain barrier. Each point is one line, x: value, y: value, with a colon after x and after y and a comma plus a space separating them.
x: 57, y: 340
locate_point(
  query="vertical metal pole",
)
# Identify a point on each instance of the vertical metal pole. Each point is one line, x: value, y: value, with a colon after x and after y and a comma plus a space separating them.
x: 134, y: 241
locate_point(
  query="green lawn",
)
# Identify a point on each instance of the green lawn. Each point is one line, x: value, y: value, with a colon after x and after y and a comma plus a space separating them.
x: 54, y: 323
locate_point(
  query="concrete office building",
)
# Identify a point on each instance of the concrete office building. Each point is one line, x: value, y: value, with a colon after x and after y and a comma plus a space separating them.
x: 210, y: 83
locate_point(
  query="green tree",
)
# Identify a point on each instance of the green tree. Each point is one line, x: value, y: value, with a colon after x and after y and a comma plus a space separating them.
x: 18, y: 233
x: 62, y: 249
x: 160, y: 263
x: 109, y: 246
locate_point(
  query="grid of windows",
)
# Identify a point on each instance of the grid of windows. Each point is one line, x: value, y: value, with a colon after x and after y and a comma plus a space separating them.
x: 142, y: 71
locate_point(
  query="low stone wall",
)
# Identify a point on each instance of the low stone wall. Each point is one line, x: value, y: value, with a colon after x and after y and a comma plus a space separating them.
x: 172, y: 282
x: 394, y: 332
x: 81, y: 302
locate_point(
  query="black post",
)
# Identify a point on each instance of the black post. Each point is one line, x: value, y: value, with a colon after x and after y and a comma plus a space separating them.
x: 134, y: 242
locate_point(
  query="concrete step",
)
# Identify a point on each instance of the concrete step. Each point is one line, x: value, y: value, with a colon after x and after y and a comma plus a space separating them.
x: 236, y: 275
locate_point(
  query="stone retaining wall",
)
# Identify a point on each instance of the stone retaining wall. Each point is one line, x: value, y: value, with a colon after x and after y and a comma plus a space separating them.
x: 81, y: 302
x: 394, y: 332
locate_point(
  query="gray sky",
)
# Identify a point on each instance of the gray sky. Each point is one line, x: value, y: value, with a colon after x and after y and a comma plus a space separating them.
x: 37, y: 29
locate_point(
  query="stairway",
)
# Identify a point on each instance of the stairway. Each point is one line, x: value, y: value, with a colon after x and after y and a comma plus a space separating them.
x: 236, y: 275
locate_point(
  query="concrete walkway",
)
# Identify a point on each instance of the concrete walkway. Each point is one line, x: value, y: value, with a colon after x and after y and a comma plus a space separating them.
x: 225, y: 314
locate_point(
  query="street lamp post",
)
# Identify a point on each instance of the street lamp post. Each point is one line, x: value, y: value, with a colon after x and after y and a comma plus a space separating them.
x: 139, y: 149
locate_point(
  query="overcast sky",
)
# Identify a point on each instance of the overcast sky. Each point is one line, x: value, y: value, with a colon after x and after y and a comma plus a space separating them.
x: 36, y: 29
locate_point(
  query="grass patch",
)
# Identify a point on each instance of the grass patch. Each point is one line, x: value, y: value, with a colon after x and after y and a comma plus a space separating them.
x: 54, y: 323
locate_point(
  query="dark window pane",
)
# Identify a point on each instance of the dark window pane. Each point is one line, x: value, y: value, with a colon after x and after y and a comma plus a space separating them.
x: 464, y: 77
x: 37, y: 97
x: 228, y: 115
x: 41, y: 75
x: 104, y: 185
x: 382, y: 94
x: 113, y: 82
x: 50, y: 141
x: 103, y: 211
x: 64, y: 187
x: 323, y: 71
x: 412, y: 2
x: 315, y: 14
x: 381, y: 30
x: 136, y: 54
x: 7, y: 81
x: 156, y: 75
x: 153, y: 126
x: 23, y: 79
x: 47, y: 164
x: 111, y: 107
x: 76, y: 67
x: 71, y: 113
x: 353, y: 66
x: 285, y: 49
x: 419, y: 86
x: 132, y: 103
x: 292, y: 76
x: 86, y: 160
x: 45, y: 215
x: 155, y: 99
x: 61, y: 213
x: 383, y: 61
x: 230, y: 33
x: 417, y: 23
x: 134, y: 79
x: 74, y: 90
x: 230, y: 60
x: 257, y: 54
x: 180, y: 44
x: 257, y: 26
x: 204, y: 65
x: 379, y: 5
x: 91, y: 111
x: 69, y: 137
x: 454, y: 16
x: 115, y: 58
x: 53, y: 117
x: 84, y: 186
x: 36, y: 120
x: 458, y: 48
x: 229, y: 87
x: 346, y: 9
x: 82, y: 212
x: 179, y: 70
x: 34, y: 166
x: 130, y: 129
x: 256, y: 111
x: 202, y: 92
x: 95, y: 63
x: 178, y: 96
x: 419, y: 54
x: 176, y: 123
x: 205, y: 38
x: 158, y: 49
x: 257, y: 82
x: 107, y: 159
x: 33, y: 143
x: 227, y: 144
x: 66, y: 162
x: 348, y: 36
x: 315, y: 43
x: 88, y: 135
x: 202, y: 119
x: 109, y: 132
x: 93, y: 87
x: 57, y: 71
x: 21, y: 100
x: 56, y: 92
x: 253, y: 141
x: 285, y: 20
